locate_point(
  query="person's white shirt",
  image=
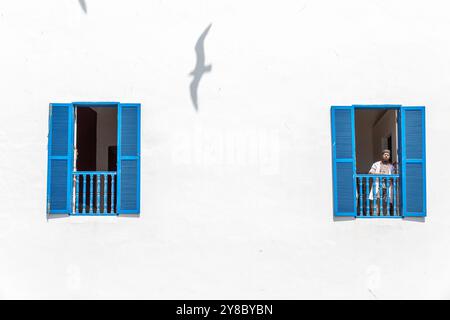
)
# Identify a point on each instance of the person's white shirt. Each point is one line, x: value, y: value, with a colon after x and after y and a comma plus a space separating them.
x: 376, y: 169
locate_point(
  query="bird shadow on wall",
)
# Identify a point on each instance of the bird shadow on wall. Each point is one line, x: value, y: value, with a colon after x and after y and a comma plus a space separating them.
x: 83, y: 5
x: 200, y: 67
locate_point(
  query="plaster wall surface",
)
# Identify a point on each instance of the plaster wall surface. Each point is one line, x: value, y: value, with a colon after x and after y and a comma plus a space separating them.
x: 236, y: 199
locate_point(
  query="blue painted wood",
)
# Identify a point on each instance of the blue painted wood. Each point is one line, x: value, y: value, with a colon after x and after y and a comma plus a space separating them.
x: 84, y: 193
x: 95, y: 104
x: 400, y: 163
x: 377, y: 106
x: 367, y: 195
x: 413, y: 163
x: 388, y: 196
x: 381, y: 217
x: 91, y: 193
x: 394, y: 194
x: 361, y: 196
x: 344, y: 164
x: 77, y: 192
x: 380, y: 190
x: 105, y: 193
x: 95, y: 172
x: 96, y: 215
x: 95, y: 191
x: 119, y: 156
x: 59, y: 164
x: 112, y: 193
x: 128, y: 159
x: 98, y: 193
x: 378, y: 175
x: 374, y: 196
x: 375, y: 205
x: 370, y: 181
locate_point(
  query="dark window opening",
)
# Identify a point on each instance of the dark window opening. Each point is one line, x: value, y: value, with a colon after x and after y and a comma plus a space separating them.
x: 375, y: 130
x: 378, y: 193
x: 96, y: 138
x: 95, y: 159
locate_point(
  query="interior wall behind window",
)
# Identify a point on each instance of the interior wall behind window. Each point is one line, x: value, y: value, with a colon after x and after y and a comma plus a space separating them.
x: 386, y: 126
x: 372, y: 130
x: 106, y: 136
x: 364, y: 120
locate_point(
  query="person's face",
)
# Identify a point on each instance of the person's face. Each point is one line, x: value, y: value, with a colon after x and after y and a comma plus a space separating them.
x: 386, y: 156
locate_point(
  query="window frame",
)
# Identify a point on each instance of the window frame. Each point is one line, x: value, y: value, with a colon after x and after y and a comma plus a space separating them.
x: 401, y: 159
x: 71, y: 107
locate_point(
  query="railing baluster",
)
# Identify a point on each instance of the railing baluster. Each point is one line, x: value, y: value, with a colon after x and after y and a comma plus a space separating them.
x: 367, y: 196
x: 91, y: 210
x: 98, y: 201
x: 388, y: 196
x: 395, y: 196
x: 112, y: 193
x: 360, y: 196
x: 84, y: 193
x: 381, y: 196
x: 77, y: 192
x: 98, y: 193
x: 374, y: 195
x: 105, y: 193
x: 384, y: 190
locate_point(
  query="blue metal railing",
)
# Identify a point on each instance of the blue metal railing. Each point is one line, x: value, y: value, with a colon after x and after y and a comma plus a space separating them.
x: 377, y: 195
x: 95, y: 193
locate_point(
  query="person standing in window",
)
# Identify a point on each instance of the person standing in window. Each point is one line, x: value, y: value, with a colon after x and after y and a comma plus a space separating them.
x: 385, y: 167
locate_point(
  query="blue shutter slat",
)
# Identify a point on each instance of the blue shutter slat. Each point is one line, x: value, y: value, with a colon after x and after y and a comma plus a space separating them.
x: 59, y: 159
x: 58, y: 181
x: 60, y: 118
x: 413, y: 132
x: 414, y: 187
x: 129, y: 190
x: 128, y: 183
x: 344, y: 164
x: 129, y: 131
x: 343, y: 125
x: 413, y: 162
x: 344, y: 181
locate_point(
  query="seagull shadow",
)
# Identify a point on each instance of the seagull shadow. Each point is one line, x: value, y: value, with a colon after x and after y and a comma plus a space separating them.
x: 83, y: 5
x: 200, y: 67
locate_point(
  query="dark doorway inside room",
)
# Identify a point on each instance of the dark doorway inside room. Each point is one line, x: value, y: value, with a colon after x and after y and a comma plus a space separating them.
x: 86, y: 147
x: 95, y: 181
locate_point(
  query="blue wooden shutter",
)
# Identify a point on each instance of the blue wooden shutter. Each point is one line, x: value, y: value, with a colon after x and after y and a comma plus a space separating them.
x: 60, y: 155
x: 344, y: 160
x: 413, y: 161
x: 128, y: 158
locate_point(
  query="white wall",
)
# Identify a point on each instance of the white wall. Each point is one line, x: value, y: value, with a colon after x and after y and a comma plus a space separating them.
x: 218, y: 222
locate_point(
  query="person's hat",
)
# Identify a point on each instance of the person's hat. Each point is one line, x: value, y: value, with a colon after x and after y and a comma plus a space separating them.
x: 386, y: 151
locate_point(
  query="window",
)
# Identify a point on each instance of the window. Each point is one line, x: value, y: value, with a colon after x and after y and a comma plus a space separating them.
x: 359, y: 136
x: 93, y: 158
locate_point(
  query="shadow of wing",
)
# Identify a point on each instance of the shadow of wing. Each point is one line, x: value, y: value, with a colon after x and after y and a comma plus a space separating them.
x: 200, y: 48
x: 83, y: 5
x: 194, y: 90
